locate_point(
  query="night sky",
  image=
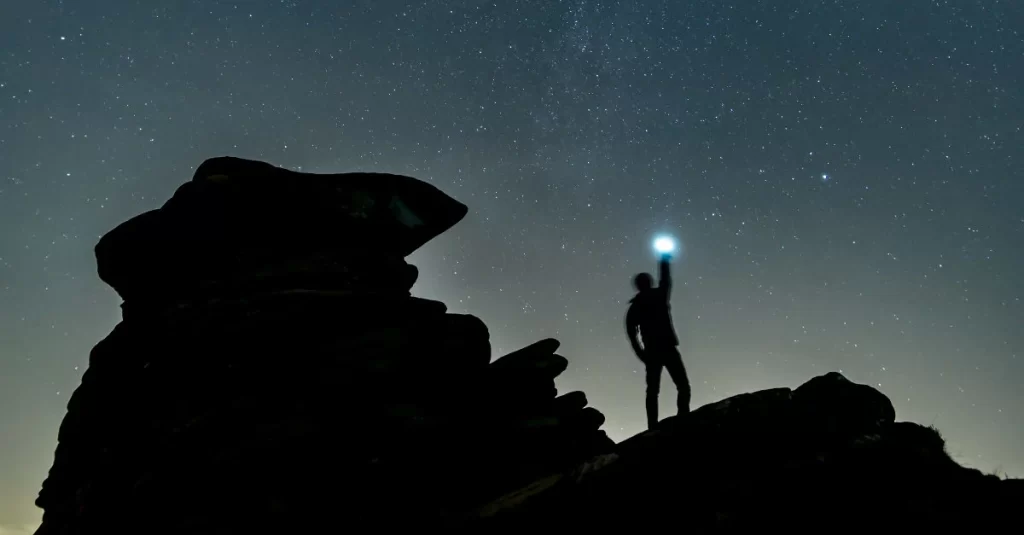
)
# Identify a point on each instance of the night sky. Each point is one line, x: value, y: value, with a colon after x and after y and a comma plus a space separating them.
x: 846, y: 178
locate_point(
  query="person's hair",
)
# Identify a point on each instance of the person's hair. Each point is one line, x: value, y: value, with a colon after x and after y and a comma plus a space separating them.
x: 643, y: 281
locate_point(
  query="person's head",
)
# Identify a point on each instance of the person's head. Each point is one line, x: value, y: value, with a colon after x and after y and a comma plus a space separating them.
x: 643, y: 282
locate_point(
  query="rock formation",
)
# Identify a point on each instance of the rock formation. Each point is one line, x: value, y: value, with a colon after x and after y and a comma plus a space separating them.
x: 273, y: 374
x: 827, y: 457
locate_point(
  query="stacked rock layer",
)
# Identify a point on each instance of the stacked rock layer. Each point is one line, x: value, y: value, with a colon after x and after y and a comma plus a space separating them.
x: 272, y: 372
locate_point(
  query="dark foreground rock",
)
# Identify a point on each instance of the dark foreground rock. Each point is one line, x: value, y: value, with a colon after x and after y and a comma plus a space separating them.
x: 273, y: 374
x: 827, y: 457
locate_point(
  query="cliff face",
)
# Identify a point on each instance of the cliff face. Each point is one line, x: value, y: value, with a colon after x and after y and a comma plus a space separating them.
x: 272, y: 374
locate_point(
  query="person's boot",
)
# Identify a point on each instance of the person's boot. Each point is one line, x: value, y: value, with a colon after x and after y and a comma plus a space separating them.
x: 683, y: 405
x: 685, y: 397
x: 652, y: 413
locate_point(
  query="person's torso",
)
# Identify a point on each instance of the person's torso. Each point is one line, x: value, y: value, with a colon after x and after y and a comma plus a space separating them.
x: 654, y: 318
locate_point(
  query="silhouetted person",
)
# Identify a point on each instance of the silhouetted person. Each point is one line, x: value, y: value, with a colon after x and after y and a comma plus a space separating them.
x: 650, y: 330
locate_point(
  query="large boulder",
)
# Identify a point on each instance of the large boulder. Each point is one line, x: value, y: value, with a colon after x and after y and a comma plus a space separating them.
x: 273, y: 374
x: 842, y: 408
x: 243, y: 224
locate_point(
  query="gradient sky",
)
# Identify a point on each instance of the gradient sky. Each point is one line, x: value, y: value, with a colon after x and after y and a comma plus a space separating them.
x: 846, y: 177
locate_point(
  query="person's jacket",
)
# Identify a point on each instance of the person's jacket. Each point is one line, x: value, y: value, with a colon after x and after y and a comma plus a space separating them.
x: 650, y: 313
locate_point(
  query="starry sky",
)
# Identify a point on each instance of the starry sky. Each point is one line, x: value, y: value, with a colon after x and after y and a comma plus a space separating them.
x: 842, y: 174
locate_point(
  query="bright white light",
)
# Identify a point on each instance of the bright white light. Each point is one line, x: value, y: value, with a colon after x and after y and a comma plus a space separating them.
x: 664, y: 244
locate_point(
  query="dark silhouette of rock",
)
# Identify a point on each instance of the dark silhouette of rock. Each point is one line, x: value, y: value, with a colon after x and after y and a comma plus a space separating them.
x: 272, y: 374
x: 827, y: 457
x: 240, y: 226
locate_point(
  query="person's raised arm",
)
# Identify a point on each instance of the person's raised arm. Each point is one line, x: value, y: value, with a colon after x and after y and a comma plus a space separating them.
x: 665, y: 275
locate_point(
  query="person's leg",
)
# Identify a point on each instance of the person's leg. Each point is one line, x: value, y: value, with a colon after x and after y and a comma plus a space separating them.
x: 674, y: 364
x: 653, y: 387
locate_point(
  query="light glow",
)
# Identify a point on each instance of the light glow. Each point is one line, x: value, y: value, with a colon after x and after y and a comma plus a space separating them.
x: 664, y: 244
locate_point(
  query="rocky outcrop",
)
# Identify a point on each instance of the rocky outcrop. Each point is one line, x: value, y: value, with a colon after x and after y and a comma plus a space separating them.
x: 272, y: 372
x: 827, y: 457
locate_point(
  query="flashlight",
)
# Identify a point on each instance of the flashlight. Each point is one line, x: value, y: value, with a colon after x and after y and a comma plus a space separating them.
x: 664, y: 244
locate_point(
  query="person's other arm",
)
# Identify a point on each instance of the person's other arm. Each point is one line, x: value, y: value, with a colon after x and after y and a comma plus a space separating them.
x: 633, y: 331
